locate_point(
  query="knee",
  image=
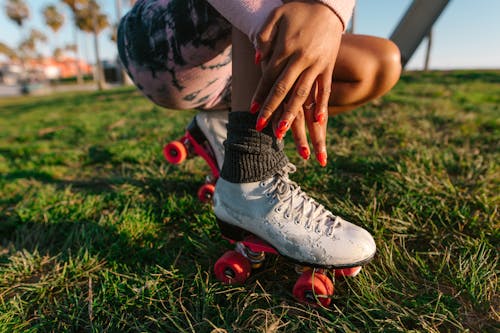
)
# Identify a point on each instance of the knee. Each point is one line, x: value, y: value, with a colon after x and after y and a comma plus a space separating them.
x: 389, y: 64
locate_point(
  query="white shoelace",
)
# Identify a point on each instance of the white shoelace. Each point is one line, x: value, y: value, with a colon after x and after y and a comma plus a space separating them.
x: 297, y: 204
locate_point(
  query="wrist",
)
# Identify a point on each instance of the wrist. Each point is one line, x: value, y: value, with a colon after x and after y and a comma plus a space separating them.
x: 342, y: 9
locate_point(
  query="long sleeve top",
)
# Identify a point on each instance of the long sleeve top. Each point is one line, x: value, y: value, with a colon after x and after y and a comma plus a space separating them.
x: 250, y: 15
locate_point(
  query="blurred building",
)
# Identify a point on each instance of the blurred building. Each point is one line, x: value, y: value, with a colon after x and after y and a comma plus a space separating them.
x: 43, y: 69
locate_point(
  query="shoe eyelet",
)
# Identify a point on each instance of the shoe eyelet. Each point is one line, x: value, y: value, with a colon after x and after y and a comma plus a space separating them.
x: 277, y: 209
x: 296, y: 221
x: 317, y: 230
x: 287, y: 216
x: 268, y: 195
x: 262, y: 184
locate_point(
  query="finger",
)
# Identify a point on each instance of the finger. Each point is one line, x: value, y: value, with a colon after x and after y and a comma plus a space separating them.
x: 266, y: 36
x: 275, y: 119
x: 270, y: 71
x: 296, y: 99
x: 277, y: 93
x: 324, y: 83
x: 310, y: 102
x: 300, y: 137
x: 317, y: 134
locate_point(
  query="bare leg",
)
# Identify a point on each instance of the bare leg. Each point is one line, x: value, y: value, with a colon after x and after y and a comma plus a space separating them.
x: 367, y: 67
x: 255, y: 195
x: 246, y: 74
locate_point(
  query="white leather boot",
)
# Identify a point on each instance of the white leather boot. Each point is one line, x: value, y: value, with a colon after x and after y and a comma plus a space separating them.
x: 279, y: 212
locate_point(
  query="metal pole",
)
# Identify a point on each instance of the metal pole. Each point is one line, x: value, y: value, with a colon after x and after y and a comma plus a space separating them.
x: 415, y: 25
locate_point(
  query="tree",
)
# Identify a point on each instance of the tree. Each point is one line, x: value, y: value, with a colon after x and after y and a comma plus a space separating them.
x: 53, y: 18
x: 17, y: 11
x: 90, y: 19
x: 73, y: 6
x: 7, y: 51
x: 27, y: 47
x: 58, y: 53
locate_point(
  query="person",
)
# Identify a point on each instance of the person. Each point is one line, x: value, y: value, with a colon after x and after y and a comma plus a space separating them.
x: 278, y: 67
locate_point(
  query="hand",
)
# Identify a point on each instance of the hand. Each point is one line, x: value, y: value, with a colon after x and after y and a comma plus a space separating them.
x: 317, y: 131
x: 296, y: 53
x: 298, y: 46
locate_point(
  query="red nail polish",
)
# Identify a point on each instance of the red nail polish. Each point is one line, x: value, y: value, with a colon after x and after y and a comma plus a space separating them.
x: 304, y: 152
x: 261, y: 123
x: 320, y: 118
x: 283, y: 126
x: 321, y: 158
x: 254, y: 107
x: 258, y: 57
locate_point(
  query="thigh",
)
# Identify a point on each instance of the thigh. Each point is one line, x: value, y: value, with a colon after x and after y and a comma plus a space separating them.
x: 366, y: 68
x: 360, y: 55
x: 177, y: 52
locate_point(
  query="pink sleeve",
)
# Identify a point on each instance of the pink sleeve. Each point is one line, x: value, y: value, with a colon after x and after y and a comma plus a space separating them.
x: 250, y: 15
x: 246, y: 15
x: 343, y: 9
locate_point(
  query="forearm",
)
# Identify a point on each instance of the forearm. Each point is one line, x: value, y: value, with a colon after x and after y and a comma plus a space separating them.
x: 250, y: 15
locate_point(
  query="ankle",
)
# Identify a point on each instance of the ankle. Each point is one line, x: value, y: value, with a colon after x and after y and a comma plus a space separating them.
x: 250, y: 155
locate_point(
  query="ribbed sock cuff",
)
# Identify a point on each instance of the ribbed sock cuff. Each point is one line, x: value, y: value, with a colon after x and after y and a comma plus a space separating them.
x: 250, y: 156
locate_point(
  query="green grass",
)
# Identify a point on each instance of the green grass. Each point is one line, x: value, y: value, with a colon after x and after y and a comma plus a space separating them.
x: 99, y: 233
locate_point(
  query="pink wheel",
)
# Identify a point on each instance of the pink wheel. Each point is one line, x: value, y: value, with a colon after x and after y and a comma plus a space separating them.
x: 352, y: 271
x: 313, y: 287
x: 175, y: 152
x: 206, y: 192
x: 232, y: 268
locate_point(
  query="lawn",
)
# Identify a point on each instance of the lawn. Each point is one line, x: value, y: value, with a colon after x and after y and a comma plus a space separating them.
x: 99, y: 233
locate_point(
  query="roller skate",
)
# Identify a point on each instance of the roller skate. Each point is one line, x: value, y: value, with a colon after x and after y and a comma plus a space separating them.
x: 204, y: 137
x: 275, y: 216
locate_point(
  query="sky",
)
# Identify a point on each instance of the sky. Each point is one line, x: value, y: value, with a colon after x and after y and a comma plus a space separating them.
x: 466, y: 36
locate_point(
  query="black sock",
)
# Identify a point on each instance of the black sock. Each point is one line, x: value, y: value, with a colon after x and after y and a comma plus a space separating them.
x: 250, y: 156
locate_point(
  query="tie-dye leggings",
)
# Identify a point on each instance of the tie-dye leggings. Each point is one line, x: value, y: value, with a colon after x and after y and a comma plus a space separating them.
x: 178, y: 53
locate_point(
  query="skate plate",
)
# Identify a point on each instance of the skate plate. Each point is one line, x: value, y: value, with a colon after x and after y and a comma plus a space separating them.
x: 192, y: 144
x: 314, y: 286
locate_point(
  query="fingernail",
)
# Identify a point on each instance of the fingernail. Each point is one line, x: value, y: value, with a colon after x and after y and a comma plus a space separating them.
x: 320, y: 118
x: 321, y: 157
x: 282, y: 128
x: 258, y: 57
x: 304, y: 152
x: 254, y: 107
x: 261, y: 123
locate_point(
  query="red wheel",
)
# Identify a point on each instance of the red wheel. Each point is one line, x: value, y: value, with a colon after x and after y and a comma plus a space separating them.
x: 232, y: 268
x: 313, y: 287
x: 175, y: 152
x: 206, y: 192
x: 352, y: 271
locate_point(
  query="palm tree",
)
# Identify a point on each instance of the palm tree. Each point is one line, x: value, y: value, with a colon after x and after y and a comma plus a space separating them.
x: 7, y: 51
x: 73, y: 6
x: 17, y: 11
x: 90, y: 19
x: 53, y: 18
x: 27, y: 47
